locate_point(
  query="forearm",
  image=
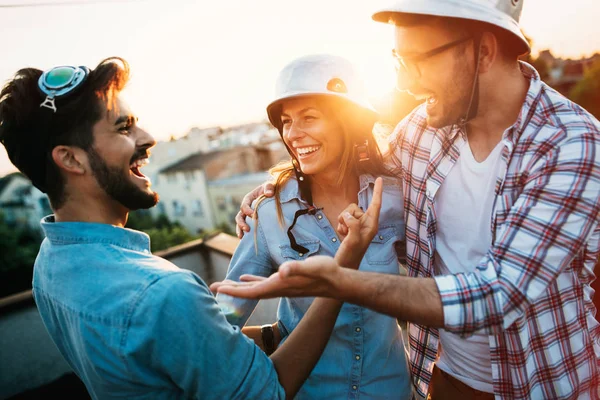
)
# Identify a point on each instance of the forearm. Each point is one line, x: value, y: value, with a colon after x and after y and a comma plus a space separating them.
x: 409, y: 299
x: 296, y: 358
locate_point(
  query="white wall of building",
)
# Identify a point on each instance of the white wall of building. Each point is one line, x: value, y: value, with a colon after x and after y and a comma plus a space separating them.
x: 184, y: 199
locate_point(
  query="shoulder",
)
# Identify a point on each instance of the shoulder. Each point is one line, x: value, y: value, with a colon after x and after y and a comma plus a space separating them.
x: 175, y: 290
x: 289, y: 197
x: 557, y: 118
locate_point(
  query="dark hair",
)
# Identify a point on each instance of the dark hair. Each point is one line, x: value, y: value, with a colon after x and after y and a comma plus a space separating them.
x: 509, y: 45
x: 30, y: 132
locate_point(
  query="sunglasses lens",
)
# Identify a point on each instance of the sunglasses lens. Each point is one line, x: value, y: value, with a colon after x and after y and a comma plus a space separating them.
x: 59, y: 77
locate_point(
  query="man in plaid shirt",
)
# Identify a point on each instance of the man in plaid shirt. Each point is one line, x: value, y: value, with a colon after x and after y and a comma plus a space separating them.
x: 501, y: 184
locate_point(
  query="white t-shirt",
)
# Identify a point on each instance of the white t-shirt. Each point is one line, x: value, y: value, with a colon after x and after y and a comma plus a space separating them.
x: 463, y: 207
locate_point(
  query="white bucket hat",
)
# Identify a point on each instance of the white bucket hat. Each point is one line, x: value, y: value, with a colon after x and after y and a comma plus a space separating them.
x: 320, y: 75
x: 501, y: 13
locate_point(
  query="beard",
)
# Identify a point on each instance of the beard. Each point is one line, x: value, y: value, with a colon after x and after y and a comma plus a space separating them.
x: 117, y: 184
x: 455, y: 100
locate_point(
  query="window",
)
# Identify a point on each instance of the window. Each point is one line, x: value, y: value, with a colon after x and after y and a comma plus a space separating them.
x: 189, y: 176
x: 178, y: 209
x: 197, y: 209
x: 221, y: 205
x: 171, y: 178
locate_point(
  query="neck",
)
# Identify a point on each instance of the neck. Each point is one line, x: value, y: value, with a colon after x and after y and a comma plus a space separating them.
x: 326, y: 185
x: 502, y: 94
x: 98, y: 209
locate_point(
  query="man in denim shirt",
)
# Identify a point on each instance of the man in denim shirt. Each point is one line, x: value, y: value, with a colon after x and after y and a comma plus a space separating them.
x: 130, y: 324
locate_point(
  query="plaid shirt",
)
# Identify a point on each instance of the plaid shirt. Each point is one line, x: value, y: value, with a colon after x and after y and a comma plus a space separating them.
x: 531, y: 292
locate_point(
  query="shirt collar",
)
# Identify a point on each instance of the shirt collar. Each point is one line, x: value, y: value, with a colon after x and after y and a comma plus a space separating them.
x: 91, y: 232
x: 532, y: 100
x: 291, y: 191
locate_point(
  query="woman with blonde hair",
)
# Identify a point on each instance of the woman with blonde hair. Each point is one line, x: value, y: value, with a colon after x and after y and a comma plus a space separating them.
x: 326, y: 126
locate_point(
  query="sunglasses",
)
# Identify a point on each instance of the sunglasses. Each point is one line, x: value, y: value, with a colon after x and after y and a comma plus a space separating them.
x: 60, y: 82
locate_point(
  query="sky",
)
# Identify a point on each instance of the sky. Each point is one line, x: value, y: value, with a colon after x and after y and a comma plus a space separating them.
x: 205, y: 63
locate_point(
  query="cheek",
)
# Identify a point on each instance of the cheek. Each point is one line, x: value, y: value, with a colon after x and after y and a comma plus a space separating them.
x: 118, y: 152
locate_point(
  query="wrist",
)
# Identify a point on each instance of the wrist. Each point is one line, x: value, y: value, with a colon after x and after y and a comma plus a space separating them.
x: 339, y: 283
x: 268, y: 338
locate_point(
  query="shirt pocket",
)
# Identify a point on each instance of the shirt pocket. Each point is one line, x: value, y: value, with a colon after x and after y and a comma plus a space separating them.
x: 382, y: 250
x: 290, y: 254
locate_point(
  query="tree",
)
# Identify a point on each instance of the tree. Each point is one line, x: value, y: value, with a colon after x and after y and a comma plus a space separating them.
x: 18, y: 249
x: 587, y: 91
x: 163, y: 233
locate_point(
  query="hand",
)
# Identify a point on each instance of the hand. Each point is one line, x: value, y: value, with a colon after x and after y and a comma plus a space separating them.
x: 316, y: 276
x: 357, y: 228
x: 268, y: 190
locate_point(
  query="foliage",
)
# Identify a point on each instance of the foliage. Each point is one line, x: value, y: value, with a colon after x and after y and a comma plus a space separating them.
x: 18, y: 249
x: 163, y: 238
x: 587, y: 91
x: 163, y: 233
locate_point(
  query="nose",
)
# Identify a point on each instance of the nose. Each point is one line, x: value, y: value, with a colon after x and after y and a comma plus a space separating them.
x: 145, y: 139
x: 293, y: 132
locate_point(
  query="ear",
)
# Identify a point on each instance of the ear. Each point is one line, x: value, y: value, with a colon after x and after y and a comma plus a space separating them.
x: 70, y: 159
x: 488, y: 51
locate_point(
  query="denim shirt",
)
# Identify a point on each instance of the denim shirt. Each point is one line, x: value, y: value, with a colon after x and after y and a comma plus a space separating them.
x: 365, y: 356
x: 135, y: 326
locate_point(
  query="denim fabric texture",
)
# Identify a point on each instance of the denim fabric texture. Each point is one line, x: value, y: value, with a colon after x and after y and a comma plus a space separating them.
x: 135, y: 326
x: 365, y: 357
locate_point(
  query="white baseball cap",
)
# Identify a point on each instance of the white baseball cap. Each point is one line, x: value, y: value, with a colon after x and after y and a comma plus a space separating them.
x: 501, y: 13
x: 318, y: 75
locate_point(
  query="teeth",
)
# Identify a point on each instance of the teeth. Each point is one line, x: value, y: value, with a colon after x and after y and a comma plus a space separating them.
x: 431, y: 100
x: 306, y: 150
x: 139, y: 163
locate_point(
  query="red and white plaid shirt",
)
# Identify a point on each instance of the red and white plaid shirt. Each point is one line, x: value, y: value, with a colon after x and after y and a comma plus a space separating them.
x: 531, y: 293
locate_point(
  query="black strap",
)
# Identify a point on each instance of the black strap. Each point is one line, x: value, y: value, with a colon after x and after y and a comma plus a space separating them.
x: 311, y: 211
x: 268, y: 338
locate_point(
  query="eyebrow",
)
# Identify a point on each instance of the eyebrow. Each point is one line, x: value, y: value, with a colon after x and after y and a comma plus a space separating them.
x: 301, y: 111
x: 126, y: 118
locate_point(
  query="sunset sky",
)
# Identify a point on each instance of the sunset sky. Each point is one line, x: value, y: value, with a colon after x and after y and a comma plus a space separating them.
x: 204, y: 63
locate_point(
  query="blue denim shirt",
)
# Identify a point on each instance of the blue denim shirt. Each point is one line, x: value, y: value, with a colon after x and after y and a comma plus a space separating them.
x: 135, y: 326
x: 365, y: 356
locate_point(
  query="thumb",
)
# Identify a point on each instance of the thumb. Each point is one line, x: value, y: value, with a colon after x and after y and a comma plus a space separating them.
x: 352, y: 223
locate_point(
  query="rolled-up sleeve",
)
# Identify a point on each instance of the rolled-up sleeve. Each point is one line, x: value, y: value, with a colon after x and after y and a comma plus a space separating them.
x: 544, y: 230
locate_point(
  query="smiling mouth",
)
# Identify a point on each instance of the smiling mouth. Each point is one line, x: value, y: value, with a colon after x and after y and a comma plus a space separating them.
x: 306, y: 151
x: 135, y: 166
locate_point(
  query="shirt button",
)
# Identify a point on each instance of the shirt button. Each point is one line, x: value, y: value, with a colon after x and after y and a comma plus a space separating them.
x: 146, y: 251
x: 334, y: 240
x: 319, y: 216
x: 380, y: 237
x: 357, y: 329
x: 354, y: 387
x: 357, y: 357
x: 300, y: 254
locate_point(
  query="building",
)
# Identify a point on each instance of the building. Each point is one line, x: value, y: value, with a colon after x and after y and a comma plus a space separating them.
x: 564, y: 74
x: 226, y: 196
x: 185, y: 187
x: 21, y: 204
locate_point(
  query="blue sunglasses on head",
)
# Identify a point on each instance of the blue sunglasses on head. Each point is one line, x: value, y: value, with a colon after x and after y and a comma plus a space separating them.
x: 59, y: 82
